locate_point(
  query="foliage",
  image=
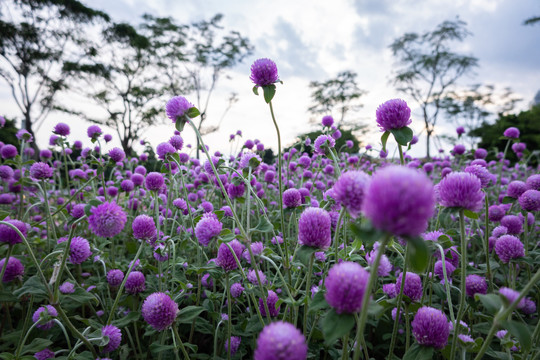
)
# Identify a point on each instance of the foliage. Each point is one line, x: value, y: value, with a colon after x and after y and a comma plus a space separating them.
x: 7, y: 133
x: 428, y: 69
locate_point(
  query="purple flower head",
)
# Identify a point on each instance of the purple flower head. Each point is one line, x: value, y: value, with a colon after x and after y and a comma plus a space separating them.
x: 127, y: 185
x: 115, y: 277
x: 530, y: 200
x: 292, y: 198
x: 533, y: 182
x: 135, y: 282
x: 412, y: 287
x: 40, y: 170
x: 252, y: 276
x: 107, y: 137
x: 516, y: 188
x: 107, y: 220
x: 236, y: 290
x: 459, y: 149
x: 314, y: 228
x: 45, y: 321
x: 475, y: 284
x: 9, y: 235
x: 177, y: 142
x: 6, y: 172
x: 235, y: 344
x: 349, y: 190
x: 8, y: 151
x: 393, y: 114
x: 509, y: 247
x: 163, y: 149
x: 345, y: 287
x: 115, y: 337
x: 14, y: 269
x: 481, y: 173
x: 513, y: 223
x: 154, y: 181
x: 24, y: 135
x: 177, y: 107
x: 244, y: 162
x: 61, y: 129
x: 159, y: 310
x: 529, y: 306
x: 44, y: 354
x: 495, y: 213
x: 499, y: 231
x: 207, y: 228
x: 511, y: 295
x: 94, y: 132
x: 67, y: 288
x: 79, y: 250
x: 271, y: 300
x: 144, y: 228
x: 461, y: 190
x: 430, y: 327
x: 438, y: 269
x: 511, y: 132
x: 264, y: 72
x: 480, y: 153
x: 322, y: 142
x: 460, y: 130
x: 225, y: 258
x: 117, y: 154
x: 281, y: 340
x: 327, y: 121
x: 399, y: 200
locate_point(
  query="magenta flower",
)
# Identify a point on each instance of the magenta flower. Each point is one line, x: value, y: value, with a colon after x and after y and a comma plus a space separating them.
x: 264, y: 72
x: 349, y: 191
x: 115, y: 337
x: 107, y: 220
x: 461, y: 190
x: 177, y: 107
x: 314, y: 228
x: 345, y: 287
x: 159, y: 310
x: 280, y: 340
x: 393, y: 114
x: 430, y: 327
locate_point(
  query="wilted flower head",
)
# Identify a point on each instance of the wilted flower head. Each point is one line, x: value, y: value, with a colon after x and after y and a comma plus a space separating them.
x: 177, y: 107
x: 345, y: 287
x: 430, y: 327
x: 461, y: 190
x: 399, y: 200
x: 264, y: 72
x: 159, y: 310
x: 280, y: 340
x: 393, y: 114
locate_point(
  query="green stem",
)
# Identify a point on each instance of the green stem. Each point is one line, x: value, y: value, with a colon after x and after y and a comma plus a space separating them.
x: 229, y: 315
x: 182, y: 347
x: 345, y: 352
x: 401, y: 158
x: 365, y: 300
x: 4, y: 267
x: 486, y: 242
x: 336, y: 234
x: 308, y: 290
x: 399, y: 301
x: 74, y: 330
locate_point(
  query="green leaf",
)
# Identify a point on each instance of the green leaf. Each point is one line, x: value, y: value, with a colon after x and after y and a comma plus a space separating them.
x: 256, y: 90
x: 180, y: 123
x: 36, y: 345
x: 263, y: 226
x: 367, y: 234
x: 419, y: 256
x: 269, y: 92
x: 126, y: 320
x: 189, y: 313
x: 520, y: 331
x: 156, y: 348
x: 470, y: 214
x: 508, y: 200
x: 335, y: 326
x: 193, y: 112
x: 305, y: 252
x: 318, y: 302
x: 491, y: 302
x: 384, y: 139
x: 402, y: 135
x: 81, y: 296
x: 32, y: 286
x: 417, y: 352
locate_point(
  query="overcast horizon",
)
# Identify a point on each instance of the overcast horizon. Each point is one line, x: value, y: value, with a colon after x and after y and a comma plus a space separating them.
x: 311, y: 40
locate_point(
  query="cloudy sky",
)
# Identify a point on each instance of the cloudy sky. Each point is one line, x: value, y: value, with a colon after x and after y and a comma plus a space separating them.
x: 314, y: 40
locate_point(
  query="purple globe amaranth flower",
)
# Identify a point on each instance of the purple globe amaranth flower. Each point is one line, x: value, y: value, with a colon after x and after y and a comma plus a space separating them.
x: 264, y: 72
x: 94, y: 132
x: 6, y: 172
x: 292, y: 198
x: 475, y: 284
x: 14, y: 269
x: 207, y: 228
x: 9, y: 235
x: 252, y: 276
x: 499, y: 231
x: 163, y: 149
x: 460, y: 130
x: 430, y: 327
x: 323, y: 142
x: 40, y: 320
x: 481, y: 173
x: 177, y: 107
x: 480, y: 153
x: 511, y: 132
x: 438, y: 269
x: 79, y: 250
x: 44, y: 354
x: 327, y: 121
x: 495, y: 213
x: 533, y: 182
x: 412, y: 287
x: 461, y: 190
x: 117, y: 154
x: 512, y: 295
x: 115, y: 337
x: 280, y: 340
x: 459, y: 149
x: 115, y: 277
x: 135, y: 283
x: 67, y: 288
x: 314, y: 228
x: 244, y: 162
x: 345, y: 287
x: 236, y: 290
x: 144, y: 228
x: 40, y: 170
x: 8, y: 151
x: 235, y: 344
x: 509, y: 247
x: 271, y: 300
x: 528, y: 307
x: 159, y: 310
x: 393, y: 114
x: 513, y: 224
x: 225, y: 257
x: 107, y: 220
x: 516, y: 188
x: 349, y: 190
x: 400, y: 201
x: 177, y: 142
x: 154, y: 181
x: 107, y: 137
x: 530, y: 200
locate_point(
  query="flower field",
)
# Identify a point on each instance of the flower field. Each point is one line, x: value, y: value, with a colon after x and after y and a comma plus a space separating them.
x: 320, y: 254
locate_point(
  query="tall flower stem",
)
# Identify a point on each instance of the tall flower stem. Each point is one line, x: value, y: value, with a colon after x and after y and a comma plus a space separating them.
x: 401, y: 158
x: 399, y: 301
x: 365, y: 300
x: 486, y: 242
x: 182, y: 347
x: 65, y: 256
x: 462, y: 285
x: 280, y: 185
x: 308, y: 288
x: 229, y: 316
x: 336, y: 234
x: 4, y: 267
